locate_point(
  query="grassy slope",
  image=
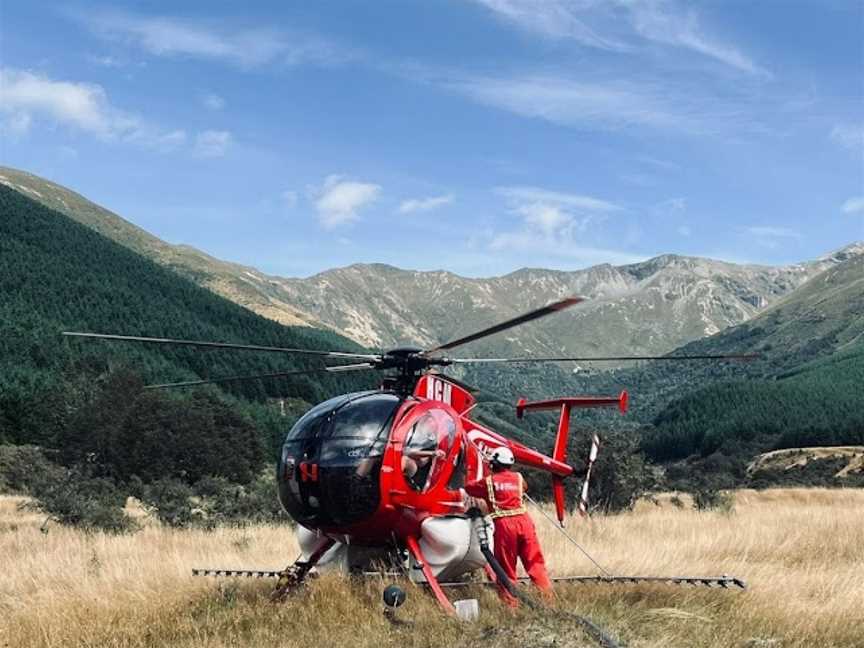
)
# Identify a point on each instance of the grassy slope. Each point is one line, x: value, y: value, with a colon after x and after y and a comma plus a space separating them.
x: 68, y: 588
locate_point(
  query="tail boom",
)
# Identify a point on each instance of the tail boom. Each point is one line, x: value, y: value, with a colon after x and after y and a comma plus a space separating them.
x: 559, y: 452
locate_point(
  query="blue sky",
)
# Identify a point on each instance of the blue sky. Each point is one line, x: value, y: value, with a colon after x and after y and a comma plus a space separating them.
x: 477, y: 136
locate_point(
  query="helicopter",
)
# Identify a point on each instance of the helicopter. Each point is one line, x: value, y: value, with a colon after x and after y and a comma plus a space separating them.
x: 375, y: 474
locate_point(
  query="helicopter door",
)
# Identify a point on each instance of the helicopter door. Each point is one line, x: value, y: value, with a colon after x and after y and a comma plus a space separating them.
x: 427, y: 444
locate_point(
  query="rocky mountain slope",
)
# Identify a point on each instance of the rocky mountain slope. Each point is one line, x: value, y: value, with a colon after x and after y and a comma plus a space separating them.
x: 649, y: 307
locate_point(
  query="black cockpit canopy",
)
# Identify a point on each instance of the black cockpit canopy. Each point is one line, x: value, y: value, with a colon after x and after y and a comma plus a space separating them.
x: 331, y: 459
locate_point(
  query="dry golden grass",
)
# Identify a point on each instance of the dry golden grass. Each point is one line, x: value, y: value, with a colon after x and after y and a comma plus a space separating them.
x: 801, y: 552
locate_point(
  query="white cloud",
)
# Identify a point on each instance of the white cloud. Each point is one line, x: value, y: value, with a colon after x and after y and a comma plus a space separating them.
x: 174, y: 37
x: 212, y: 143
x: 213, y: 101
x: 854, y: 205
x: 82, y: 105
x: 556, y: 224
x: 25, y: 96
x: 424, y: 204
x: 771, y: 237
x: 339, y: 200
x: 619, y: 25
x: 849, y: 136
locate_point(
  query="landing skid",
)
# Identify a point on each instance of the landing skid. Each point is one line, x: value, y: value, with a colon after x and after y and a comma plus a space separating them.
x: 293, y: 576
x: 712, y: 582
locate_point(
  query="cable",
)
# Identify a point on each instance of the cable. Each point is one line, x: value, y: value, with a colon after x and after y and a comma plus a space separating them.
x: 567, y: 535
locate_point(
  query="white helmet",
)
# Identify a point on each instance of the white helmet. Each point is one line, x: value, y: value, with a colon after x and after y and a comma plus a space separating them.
x: 503, y: 457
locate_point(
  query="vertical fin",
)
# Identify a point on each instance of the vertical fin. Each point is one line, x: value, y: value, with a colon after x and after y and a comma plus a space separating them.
x: 559, y: 453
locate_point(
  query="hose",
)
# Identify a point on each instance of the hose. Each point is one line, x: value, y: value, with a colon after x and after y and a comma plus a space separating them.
x: 591, y: 628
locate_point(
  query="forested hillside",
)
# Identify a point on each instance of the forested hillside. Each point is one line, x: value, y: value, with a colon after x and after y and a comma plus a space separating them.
x: 81, y: 400
x: 804, y: 390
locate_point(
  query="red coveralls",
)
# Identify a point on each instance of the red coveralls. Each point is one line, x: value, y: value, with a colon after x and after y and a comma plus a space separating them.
x: 515, y: 536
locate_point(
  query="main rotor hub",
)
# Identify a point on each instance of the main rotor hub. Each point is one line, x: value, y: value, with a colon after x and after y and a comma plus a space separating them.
x: 409, y: 363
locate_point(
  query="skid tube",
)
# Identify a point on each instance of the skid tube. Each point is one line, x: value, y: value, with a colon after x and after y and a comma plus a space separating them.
x: 712, y: 582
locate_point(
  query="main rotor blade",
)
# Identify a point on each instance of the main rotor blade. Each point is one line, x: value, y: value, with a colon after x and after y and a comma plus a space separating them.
x: 516, y: 321
x: 223, y: 345
x: 742, y: 357
x: 280, y: 374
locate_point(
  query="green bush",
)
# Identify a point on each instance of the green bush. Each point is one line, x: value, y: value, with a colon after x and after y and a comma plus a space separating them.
x: 23, y: 466
x: 621, y: 474
x: 709, y: 499
x: 73, y: 498
x: 213, y: 501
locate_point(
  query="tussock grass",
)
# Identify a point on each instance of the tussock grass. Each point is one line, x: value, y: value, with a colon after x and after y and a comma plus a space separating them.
x: 801, y: 552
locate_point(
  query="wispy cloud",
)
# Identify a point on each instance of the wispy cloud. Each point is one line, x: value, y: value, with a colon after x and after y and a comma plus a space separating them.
x: 771, y: 237
x: 212, y: 143
x: 107, y: 61
x: 675, y: 205
x: 854, y: 205
x: 246, y: 47
x: 212, y: 101
x: 622, y: 26
x: 569, y: 102
x: 534, y: 195
x: 663, y: 22
x: 424, y: 204
x: 339, y: 200
x: 555, y: 19
x: 556, y: 224
x: 849, y: 136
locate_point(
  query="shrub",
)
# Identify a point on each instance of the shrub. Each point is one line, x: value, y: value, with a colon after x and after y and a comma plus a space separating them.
x: 619, y: 478
x: 23, y: 466
x: 72, y: 498
x: 213, y: 501
x: 170, y: 500
x: 621, y: 475
x: 709, y: 499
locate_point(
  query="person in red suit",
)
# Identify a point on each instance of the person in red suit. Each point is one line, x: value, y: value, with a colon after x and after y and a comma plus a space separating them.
x: 515, y: 535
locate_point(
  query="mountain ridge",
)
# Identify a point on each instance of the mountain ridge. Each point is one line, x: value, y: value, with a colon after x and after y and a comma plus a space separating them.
x: 649, y: 307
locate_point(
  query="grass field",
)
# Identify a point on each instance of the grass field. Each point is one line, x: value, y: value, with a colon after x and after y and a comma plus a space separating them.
x: 800, y: 551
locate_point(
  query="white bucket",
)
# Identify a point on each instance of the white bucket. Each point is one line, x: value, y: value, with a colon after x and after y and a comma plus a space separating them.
x: 467, y: 609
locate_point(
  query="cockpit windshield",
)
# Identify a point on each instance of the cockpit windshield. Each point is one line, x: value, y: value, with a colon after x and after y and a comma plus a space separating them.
x: 331, y: 459
x: 426, y: 446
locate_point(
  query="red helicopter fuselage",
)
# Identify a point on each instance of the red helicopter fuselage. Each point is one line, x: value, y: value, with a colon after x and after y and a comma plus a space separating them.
x: 368, y: 468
